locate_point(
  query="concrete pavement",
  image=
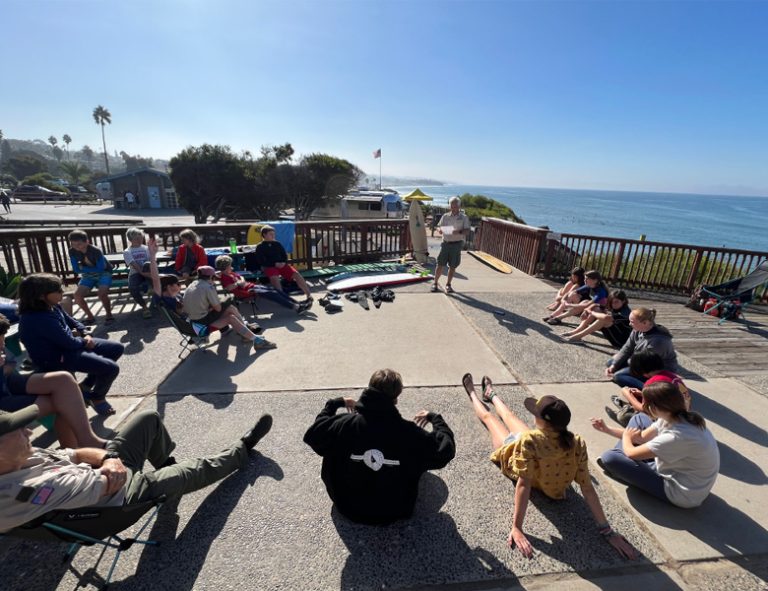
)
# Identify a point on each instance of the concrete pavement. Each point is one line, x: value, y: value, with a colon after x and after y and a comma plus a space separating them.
x: 273, y: 527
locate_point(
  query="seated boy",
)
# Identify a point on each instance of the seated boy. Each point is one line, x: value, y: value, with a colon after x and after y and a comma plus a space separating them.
x: 137, y: 258
x: 273, y: 260
x: 242, y: 289
x: 94, y: 270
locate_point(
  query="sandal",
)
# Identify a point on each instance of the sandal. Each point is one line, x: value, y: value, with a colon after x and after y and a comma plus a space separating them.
x: 103, y: 408
x: 487, y: 385
x: 448, y: 289
x: 469, y: 384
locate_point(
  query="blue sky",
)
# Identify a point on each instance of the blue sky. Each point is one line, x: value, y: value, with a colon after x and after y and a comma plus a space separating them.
x: 667, y: 96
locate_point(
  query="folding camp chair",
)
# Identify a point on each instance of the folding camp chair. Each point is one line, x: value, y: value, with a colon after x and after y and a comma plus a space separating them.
x: 728, y: 299
x: 89, y: 526
x: 193, y: 334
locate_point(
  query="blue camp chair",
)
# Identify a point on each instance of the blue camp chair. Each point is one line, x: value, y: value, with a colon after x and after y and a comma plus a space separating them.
x: 89, y: 526
x: 730, y: 297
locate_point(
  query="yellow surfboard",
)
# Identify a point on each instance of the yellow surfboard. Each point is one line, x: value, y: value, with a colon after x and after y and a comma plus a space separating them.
x: 492, y: 261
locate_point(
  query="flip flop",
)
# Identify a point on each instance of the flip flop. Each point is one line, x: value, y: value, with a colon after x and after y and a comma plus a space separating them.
x: 468, y: 383
x: 103, y: 408
x: 487, y: 384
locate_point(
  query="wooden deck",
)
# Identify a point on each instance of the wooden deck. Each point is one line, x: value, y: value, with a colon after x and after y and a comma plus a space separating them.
x: 732, y: 348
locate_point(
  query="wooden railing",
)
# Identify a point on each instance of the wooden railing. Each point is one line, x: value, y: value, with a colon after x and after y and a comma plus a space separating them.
x: 517, y: 244
x: 651, y: 266
x: 27, y: 251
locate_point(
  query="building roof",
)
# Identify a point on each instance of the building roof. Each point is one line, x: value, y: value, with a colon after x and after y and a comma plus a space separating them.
x: 134, y: 173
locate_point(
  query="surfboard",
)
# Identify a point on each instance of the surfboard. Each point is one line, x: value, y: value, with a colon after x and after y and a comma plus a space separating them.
x: 491, y: 261
x: 366, y: 281
x: 418, y: 232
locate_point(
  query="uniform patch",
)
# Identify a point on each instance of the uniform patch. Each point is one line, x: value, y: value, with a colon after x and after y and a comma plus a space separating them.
x: 42, y: 496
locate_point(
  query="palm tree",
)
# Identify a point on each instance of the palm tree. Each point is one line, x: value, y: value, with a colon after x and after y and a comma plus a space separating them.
x: 74, y: 171
x: 53, y: 141
x: 67, y: 140
x: 102, y: 116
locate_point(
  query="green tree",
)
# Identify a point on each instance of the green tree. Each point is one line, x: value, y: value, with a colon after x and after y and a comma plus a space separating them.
x: 87, y: 153
x: 135, y: 162
x: 320, y: 178
x: 58, y: 153
x: 23, y: 165
x: 75, y: 172
x: 479, y: 206
x: 204, y: 176
x: 5, y: 155
x: 101, y: 116
x: 67, y: 140
x: 53, y: 141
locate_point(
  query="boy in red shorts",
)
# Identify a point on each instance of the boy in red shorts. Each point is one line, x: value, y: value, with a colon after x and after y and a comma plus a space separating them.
x: 273, y: 260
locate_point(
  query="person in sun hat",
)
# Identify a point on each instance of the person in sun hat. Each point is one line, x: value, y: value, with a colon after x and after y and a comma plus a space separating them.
x: 548, y: 457
x: 35, y: 481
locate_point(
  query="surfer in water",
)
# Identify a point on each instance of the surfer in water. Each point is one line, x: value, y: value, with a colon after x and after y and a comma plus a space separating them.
x: 454, y: 227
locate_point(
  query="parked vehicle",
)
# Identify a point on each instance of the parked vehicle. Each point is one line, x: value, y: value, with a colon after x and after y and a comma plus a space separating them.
x: 80, y: 192
x: 37, y: 193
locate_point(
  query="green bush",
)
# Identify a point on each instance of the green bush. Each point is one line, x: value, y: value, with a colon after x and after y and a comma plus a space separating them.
x: 479, y: 206
x: 44, y: 179
x: 9, y: 284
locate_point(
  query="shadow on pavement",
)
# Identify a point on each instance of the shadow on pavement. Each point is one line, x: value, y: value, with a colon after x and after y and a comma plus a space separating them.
x: 181, y: 559
x: 736, y: 466
x: 722, y: 527
x: 424, y: 550
x: 727, y: 418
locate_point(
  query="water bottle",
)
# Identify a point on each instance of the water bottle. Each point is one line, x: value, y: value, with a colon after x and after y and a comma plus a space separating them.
x: 232, y: 246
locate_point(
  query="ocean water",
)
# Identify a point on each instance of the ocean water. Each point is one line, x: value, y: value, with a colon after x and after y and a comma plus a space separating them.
x: 705, y: 220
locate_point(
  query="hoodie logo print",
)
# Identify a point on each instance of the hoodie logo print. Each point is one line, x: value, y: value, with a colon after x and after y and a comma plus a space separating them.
x: 374, y: 459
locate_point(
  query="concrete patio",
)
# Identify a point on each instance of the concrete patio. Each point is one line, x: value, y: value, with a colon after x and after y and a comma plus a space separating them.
x: 273, y: 527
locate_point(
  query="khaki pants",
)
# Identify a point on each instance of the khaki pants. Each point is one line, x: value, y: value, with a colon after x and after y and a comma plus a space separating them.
x: 145, y: 439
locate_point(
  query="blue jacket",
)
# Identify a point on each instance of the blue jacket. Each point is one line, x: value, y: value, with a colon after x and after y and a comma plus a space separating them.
x: 47, y: 336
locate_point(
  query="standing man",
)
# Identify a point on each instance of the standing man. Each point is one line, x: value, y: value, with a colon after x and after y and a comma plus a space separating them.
x: 5, y: 199
x: 372, y: 457
x: 454, y: 227
x: 130, y: 199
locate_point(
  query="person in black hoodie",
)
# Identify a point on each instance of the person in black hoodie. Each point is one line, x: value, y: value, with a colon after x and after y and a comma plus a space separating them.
x: 372, y: 457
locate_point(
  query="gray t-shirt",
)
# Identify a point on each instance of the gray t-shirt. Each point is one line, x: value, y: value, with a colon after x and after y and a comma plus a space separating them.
x: 136, y: 254
x: 688, y: 459
x: 457, y: 223
x: 198, y: 299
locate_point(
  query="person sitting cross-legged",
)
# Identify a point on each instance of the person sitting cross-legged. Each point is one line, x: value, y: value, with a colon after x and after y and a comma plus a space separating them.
x: 273, y: 260
x: 372, y: 457
x: 548, y: 457
x: 35, y: 481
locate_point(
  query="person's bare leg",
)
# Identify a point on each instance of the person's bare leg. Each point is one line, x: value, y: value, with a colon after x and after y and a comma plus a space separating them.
x: 451, y: 271
x: 79, y: 296
x: 301, y: 282
x: 594, y: 327
x: 66, y: 304
x: 510, y: 419
x: 584, y: 324
x: 236, y: 323
x: 60, y: 390
x: 64, y: 431
x: 438, y: 273
x: 496, y: 428
x: 104, y: 297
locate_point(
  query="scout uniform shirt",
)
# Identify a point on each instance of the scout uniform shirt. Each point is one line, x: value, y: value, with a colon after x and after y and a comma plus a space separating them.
x: 49, y: 480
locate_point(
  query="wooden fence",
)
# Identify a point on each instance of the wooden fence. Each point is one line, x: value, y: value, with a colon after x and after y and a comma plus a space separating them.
x: 27, y: 251
x: 635, y: 264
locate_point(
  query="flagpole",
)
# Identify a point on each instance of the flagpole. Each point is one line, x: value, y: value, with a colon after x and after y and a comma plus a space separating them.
x: 379, y: 169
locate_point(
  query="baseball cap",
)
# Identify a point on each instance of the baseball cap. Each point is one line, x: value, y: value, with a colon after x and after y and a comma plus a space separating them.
x: 551, y: 409
x: 10, y: 421
x: 206, y: 271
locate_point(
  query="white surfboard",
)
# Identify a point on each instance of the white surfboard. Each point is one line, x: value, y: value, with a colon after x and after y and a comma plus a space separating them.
x: 418, y: 232
x: 384, y: 279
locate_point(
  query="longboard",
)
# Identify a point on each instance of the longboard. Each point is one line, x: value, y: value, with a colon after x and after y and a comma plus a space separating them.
x: 355, y: 283
x: 491, y: 261
x: 418, y: 232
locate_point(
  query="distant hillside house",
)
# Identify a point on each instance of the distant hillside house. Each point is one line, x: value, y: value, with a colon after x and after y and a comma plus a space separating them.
x: 152, y: 188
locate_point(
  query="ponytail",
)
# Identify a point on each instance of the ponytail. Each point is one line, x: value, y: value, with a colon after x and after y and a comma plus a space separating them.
x: 565, y: 439
x: 693, y: 418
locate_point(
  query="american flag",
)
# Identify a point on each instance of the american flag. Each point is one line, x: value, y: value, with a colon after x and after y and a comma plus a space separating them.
x: 377, y: 153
